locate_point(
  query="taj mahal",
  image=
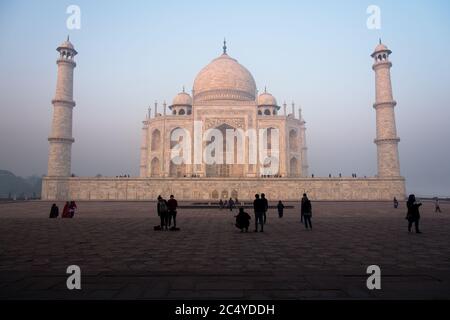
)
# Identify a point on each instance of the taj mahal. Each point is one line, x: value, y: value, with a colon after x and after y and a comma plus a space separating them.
x: 223, y: 139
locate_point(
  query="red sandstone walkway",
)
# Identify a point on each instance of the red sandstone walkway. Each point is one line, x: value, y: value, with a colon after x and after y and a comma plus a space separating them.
x: 121, y: 257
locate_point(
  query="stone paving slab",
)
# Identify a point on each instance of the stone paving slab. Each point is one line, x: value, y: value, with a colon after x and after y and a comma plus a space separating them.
x: 121, y: 257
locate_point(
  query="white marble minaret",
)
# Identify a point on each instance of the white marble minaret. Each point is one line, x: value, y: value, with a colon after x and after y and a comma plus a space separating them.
x: 59, y: 156
x: 386, y: 140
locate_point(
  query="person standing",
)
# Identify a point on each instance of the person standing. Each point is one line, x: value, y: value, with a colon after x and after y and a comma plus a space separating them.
x: 437, y: 207
x: 395, y: 203
x: 172, y: 206
x: 301, y: 207
x: 258, y: 207
x: 280, y: 208
x: 266, y: 206
x: 230, y: 204
x: 307, y: 212
x: 413, y: 215
x: 66, y: 213
x: 221, y: 204
x: 54, y: 211
x: 162, y: 212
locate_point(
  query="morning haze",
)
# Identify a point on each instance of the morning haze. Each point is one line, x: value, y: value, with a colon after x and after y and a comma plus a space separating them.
x: 316, y: 55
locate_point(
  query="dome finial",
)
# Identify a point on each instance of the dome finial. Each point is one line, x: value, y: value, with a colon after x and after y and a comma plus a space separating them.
x: 265, y: 89
x: 380, y: 40
x: 183, y: 90
x: 224, y: 46
x: 68, y: 38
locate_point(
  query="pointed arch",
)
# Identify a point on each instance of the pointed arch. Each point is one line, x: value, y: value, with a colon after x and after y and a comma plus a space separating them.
x: 156, y: 140
x: 294, y: 140
x: 155, y: 167
x: 294, y: 167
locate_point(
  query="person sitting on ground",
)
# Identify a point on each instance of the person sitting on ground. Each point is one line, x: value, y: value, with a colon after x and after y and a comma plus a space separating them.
x: 54, y: 211
x: 280, y: 208
x: 66, y: 213
x: 243, y: 220
x: 72, y: 208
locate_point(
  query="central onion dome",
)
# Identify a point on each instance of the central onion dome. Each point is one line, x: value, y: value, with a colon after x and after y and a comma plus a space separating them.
x: 224, y: 79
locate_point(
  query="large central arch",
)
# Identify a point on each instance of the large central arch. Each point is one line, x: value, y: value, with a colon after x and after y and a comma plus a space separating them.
x: 225, y: 169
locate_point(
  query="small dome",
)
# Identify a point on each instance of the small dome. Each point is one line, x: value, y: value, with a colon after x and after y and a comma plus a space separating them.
x: 67, y: 45
x: 381, y: 48
x: 182, y: 99
x: 266, y: 99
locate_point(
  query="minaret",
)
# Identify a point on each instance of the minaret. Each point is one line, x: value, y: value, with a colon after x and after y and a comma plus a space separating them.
x: 59, y: 156
x: 386, y: 140
x: 304, y: 150
x: 144, y: 143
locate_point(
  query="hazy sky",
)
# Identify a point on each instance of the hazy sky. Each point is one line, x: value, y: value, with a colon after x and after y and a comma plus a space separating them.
x: 316, y: 53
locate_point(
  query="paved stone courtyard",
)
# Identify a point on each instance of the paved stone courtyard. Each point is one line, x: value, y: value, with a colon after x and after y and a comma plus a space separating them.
x: 121, y: 257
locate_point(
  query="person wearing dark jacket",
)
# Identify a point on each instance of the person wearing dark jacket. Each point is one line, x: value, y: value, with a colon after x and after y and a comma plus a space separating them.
x: 301, y: 207
x: 54, y: 211
x: 162, y: 212
x: 259, y: 207
x: 266, y: 206
x: 413, y: 215
x: 307, y: 211
x: 172, y: 206
x: 280, y: 207
x: 243, y: 220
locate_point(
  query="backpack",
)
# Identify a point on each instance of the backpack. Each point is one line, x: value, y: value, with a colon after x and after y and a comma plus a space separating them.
x: 162, y: 207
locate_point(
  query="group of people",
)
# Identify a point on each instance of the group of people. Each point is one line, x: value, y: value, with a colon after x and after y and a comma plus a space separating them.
x: 68, y: 210
x: 230, y: 204
x: 167, y: 212
x: 260, y: 208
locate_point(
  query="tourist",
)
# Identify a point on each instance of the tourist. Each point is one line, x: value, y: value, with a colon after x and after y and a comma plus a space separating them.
x: 395, y: 203
x: 258, y: 207
x: 280, y: 208
x: 413, y: 215
x: 54, y: 211
x: 72, y: 208
x: 243, y: 220
x: 302, y: 207
x: 172, y: 206
x: 307, y: 212
x: 220, y: 204
x: 230, y: 204
x: 266, y: 206
x: 66, y: 213
x: 437, y: 207
x: 162, y: 212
